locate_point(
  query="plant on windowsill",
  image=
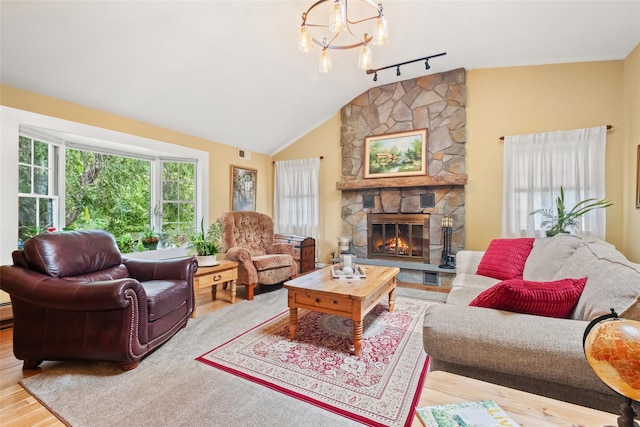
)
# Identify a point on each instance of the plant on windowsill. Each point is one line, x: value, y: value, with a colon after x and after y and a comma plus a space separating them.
x: 562, y: 221
x: 150, y: 239
x: 205, y: 244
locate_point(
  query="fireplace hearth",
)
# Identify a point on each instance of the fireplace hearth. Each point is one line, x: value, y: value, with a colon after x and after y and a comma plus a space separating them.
x: 398, y: 237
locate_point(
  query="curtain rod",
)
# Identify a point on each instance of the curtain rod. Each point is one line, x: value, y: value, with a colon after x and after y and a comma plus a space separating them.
x: 608, y: 127
x: 321, y: 158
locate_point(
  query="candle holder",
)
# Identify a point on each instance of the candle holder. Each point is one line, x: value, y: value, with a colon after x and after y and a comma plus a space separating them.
x: 447, y: 259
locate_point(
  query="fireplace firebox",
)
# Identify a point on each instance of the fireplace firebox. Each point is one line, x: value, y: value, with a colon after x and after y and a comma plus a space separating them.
x: 398, y: 237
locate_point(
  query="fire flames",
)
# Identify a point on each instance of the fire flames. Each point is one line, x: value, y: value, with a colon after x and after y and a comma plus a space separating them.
x: 394, y: 246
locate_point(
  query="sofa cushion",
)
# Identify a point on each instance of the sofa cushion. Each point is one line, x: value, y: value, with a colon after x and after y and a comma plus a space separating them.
x: 505, y: 258
x: 613, y: 281
x: 548, y: 256
x: 551, y: 299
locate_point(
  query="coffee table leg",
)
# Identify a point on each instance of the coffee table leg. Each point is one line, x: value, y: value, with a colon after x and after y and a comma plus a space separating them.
x: 392, y: 299
x: 357, y: 337
x: 293, y: 323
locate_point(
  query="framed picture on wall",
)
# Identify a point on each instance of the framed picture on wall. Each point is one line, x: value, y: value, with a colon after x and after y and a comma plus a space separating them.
x: 244, y: 184
x: 396, y: 154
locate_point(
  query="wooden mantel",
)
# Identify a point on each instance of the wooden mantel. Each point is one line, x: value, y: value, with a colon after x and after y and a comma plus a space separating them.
x: 399, y: 182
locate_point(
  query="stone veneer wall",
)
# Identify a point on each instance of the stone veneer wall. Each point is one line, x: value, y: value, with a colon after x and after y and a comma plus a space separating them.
x: 436, y: 102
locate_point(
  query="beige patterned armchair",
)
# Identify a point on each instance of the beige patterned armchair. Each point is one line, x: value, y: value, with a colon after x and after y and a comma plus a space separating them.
x: 248, y: 239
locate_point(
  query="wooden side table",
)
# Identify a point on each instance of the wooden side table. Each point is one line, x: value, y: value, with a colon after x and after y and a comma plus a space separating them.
x: 224, y: 273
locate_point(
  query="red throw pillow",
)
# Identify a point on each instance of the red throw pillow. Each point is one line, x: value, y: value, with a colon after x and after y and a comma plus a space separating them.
x: 505, y: 258
x: 551, y: 299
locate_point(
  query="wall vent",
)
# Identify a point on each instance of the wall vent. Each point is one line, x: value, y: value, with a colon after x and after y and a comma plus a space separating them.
x: 244, y: 154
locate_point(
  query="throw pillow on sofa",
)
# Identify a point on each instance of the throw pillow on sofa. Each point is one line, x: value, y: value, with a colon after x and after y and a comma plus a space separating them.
x: 504, y: 259
x: 550, y: 299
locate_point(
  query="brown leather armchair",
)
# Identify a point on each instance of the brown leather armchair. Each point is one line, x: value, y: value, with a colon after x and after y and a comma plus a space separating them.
x: 248, y: 239
x: 75, y: 298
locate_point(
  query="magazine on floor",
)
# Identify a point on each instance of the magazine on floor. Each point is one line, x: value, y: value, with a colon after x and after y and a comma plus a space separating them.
x: 485, y: 413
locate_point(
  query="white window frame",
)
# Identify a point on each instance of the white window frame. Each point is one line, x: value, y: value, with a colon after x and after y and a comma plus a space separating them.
x: 74, y: 135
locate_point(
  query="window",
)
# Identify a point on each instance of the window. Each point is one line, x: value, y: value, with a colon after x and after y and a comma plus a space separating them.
x: 537, y: 165
x: 114, y: 191
x: 107, y: 191
x: 37, y: 189
x: 296, y: 197
x: 178, y: 195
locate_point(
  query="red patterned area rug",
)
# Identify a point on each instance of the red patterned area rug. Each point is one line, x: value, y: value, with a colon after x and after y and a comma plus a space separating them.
x: 379, y: 388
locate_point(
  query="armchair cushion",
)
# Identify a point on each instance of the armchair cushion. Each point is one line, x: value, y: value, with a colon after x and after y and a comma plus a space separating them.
x: 73, y: 255
x: 268, y: 262
x: 164, y: 296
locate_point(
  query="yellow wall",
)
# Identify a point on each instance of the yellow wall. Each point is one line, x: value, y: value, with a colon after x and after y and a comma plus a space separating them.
x: 522, y: 100
x: 519, y: 100
x: 221, y: 156
x: 631, y: 105
x: 323, y: 141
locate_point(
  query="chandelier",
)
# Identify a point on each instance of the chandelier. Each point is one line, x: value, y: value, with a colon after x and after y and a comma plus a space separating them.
x: 343, y: 31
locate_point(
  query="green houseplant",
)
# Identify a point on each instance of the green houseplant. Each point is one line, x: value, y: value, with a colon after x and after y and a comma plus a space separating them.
x: 205, y: 244
x: 150, y: 238
x: 562, y: 220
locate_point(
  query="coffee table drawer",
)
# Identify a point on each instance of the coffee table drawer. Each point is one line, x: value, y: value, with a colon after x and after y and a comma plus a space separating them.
x: 342, y: 305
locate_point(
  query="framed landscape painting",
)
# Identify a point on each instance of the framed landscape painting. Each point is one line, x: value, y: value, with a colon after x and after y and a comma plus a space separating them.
x: 396, y: 154
x: 244, y: 183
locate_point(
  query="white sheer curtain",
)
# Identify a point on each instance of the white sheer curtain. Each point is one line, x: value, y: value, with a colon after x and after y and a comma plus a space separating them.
x: 536, y: 165
x: 296, y: 197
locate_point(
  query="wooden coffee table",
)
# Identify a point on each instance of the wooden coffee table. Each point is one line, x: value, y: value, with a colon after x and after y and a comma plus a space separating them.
x: 318, y: 291
x: 525, y: 408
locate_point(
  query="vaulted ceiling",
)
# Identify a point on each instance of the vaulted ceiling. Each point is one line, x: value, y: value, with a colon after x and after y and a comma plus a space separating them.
x: 230, y: 72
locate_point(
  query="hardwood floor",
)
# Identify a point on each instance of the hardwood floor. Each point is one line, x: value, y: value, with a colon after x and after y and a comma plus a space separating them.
x: 19, y: 409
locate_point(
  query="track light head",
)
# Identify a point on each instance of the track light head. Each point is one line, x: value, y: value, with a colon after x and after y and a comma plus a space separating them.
x: 398, y: 70
x: 426, y: 64
x: 375, y: 77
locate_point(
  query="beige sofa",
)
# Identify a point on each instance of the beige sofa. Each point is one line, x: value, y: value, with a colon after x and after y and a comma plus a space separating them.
x: 538, y: 354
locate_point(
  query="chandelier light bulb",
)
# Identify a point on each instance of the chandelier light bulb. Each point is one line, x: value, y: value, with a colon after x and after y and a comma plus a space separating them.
x: 325, y: 61
x: 304, y: 40
x: 381, y: 34
x: 365, y: 59
x: 337, y: 19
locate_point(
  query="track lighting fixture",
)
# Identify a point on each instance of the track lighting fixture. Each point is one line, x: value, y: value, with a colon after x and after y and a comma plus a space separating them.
x: 425, y: 59
x: 340, y: 32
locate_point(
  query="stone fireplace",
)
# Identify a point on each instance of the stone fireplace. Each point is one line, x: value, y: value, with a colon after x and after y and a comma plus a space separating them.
x: 437, y: 103
x: 402, y: 237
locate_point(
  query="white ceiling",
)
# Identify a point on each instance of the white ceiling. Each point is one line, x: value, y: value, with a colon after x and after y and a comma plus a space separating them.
x: 229, y: 71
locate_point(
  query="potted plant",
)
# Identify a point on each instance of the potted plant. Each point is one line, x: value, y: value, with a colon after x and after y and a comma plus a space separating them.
x: 561, y: 220
x: 205, y: 244
x: 150, y: 238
